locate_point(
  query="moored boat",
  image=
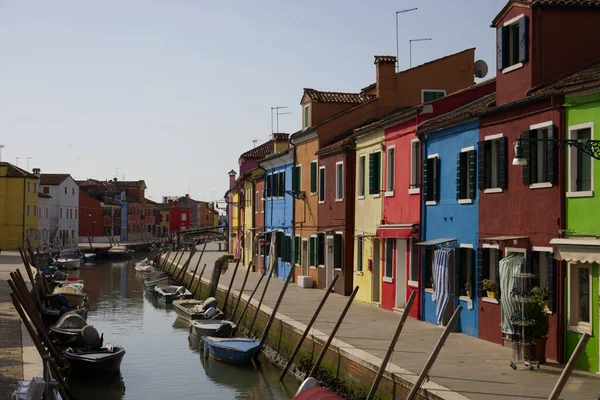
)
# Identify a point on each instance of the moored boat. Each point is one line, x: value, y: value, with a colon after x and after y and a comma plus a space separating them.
x: 50, y: 314
x: 68, y: 259
x: 191, y: 309
x: 120, y: 252
x: 236, y: 350
x: 74, y: 296
x: 168, y: 293
x: 68, y: 328
x: 90, y: 257
x: 95, y: 361
x: 158, y: 278
x: 214, y: 328
x: 310, y: 390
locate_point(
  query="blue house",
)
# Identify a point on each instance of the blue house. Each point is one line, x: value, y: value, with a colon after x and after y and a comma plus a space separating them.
x: 279, y: 209
x: 119, y: 197
x: 450, y: 216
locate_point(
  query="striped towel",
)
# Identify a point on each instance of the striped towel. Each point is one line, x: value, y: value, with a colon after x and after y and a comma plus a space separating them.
x: 509, y: 267
x: 441, y: 281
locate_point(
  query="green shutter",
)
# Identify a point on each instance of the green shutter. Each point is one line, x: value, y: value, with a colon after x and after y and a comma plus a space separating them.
x: 337, y: 250
x: 306, y: 117
x: 503, y: 162
x: 523, y: 42
x: 295, y: 182
x: 313, y: 177
x: 312, y: 251
x: 374, y: 173
x: 378, y: 172
x: 551, y: 158
x: 297, y: 242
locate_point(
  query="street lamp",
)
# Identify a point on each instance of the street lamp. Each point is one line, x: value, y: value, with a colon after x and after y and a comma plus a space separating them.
x: 589, y: 147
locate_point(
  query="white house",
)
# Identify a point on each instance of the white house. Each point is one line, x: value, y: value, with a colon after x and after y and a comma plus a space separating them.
x: 63, y: 207
x: 43, y: 213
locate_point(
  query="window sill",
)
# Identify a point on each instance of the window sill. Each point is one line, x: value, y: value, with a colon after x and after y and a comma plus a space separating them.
x: 361, y: 197
x: 580, y: 329
x: 493, y: 190
x: 339, y: 200
x: 489, y: 300
x: 359, y: 273
x: 589, y: 193
x: 311, y: 267
x: 388, y: 280
x: 465, y: 298
x: 512, y: 68
x: 431, y: 203
x: 413, y: 284
x: 465, y: 201
x: 541, y: 185
x: 414, y: 191
x: 389, y: 194
x: 376, y: 196
x: 427, y: 290
x: 320, y: 202
x: 313, y: 193
x: 320, y: 266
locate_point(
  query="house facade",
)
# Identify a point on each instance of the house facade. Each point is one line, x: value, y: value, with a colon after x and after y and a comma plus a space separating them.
x: 43, y: 212
x: 63, y: 207
x: 180, y: 218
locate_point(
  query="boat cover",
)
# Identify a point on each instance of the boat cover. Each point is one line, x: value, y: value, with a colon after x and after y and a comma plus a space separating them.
x: 91, y: 336
x: 509, y: 267
x: 70, y: 320
x: 317, y: 393
x: 68, y: 289
x: 441, y: 282
x: 210, y: 302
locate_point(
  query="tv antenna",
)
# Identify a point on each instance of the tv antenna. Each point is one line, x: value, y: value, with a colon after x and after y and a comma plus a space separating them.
x: 397, y: 46
x: 254, y: 142
x: 117, y: 172
x: 277, y: 114
x: 1, y: 147
x: 410, y: 44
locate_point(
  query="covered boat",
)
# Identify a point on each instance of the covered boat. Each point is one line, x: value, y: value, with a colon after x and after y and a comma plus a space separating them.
x: 209, y: 327
x: 191, y: 309
x: 120, y: 252
x: 90, y: 257
x: 310, y: 390
x: 236, y: 350
x: 168, y: 293
x: 145, y: 266
x: 78, y: 284
x: 51, y: 314
x: 158, y: 278
x: 68, y: 330
x: 68, y: 259
x: 94, y: 360
x: 73, y: 294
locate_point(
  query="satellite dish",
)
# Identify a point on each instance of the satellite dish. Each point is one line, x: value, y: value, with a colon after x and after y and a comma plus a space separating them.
x: 481, y: 69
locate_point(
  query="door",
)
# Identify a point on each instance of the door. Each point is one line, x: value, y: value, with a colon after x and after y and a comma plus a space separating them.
x: 453, y: 297
x: 376, y: 273
x: 304, y: 257
x: 329, y: 261
x: 400, y: 273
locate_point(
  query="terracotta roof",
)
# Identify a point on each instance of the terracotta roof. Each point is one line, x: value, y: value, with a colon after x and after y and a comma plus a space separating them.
x: 164, y: 206
x: 260, y: 151
x: 456, y: 116
x: 12, y: 171
x: 586, y: 76
x: 317, y: 96
x: 368, y: 88
x: 385, y: 60
x: 275, y: 155
x: 129, y: 184
x: 544, y: 3
x: 52, y: 179
x: 148, y: 201
x: 44, y: 195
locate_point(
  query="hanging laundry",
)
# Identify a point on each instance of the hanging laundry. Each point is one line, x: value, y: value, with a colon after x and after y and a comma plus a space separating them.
x: 510, y: 266
x: 441, y: 281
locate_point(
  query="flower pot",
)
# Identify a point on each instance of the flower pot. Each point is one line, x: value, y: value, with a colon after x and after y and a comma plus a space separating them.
x: 539, y: 352
x: 491, y: 295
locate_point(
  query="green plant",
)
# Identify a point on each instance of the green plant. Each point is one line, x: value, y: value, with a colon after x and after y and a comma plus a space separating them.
x: 535, y: 310
x: 539, y: 294
x: 489, y: 285
x: 431, y: 280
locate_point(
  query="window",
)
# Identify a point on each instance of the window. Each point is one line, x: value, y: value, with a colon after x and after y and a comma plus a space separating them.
x: 465, y: 175
x: 413, y: 272
x: 207, y: 217
x: 65, y: 190
x: 184, y: 217
x: 297, y: 179
x: 361, y: 176
x: 320, y: 249
x: 466, y: 263
x: 428, y: 95
x: 312, y: 251
x: 281, y: 177
x: 321, y: 184
x: 542, y: 265
x: 61, y: 212
x: 34, y: 187
x: 167, y: 217
x: 415, y: 167
x: 28, y: 187
x: 488, y: 267
x: 390, y: 176
x: 581, y: 171
x: 389, y: 258
x: 306, y: 120
x: 359, y: 253
x: 264, y: 201
x: 431, y: 180
x: 339, y: 180
x: 313, y: 177
x: 255, y: 203
x: 338, y: 250
x: 540, y: 155
x: 73, y: 191
x: 297, y: 250
x: 375, y: 173
x: 580, y: 291
x: 492, y: 163
x: 512, y: 43
x: 46, y: 189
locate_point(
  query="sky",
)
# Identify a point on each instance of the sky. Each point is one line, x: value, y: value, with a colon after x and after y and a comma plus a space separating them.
x: 174, y: 91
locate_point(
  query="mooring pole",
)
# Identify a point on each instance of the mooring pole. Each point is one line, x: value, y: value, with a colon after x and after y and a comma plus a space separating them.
x: 163, y: 263
x: 333, y: 332
x: 248, y: 302
x: 237, y: 264
x: 199, y: 281
x: 564, y: 376
x: 436, y: 350
x: 177, y: 263
x: 390, y: 350
x: 199, y: 259
x: 262, y: 297
x: 237, y: 303
x: 172, y: 262
x: 308, y: 327
x: 193, y: 276
x: 265, y: 334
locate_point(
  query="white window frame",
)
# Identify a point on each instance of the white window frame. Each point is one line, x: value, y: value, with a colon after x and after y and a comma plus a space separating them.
x: 317, y: 178
x: 573, y: 299
x: 305, y: 121
x: 542, y: 125
x: 415, y: 170
x: 518, y: 64
x: 338, y: 181
x: 467, y: 200
x: 572, y: 169
x: 411, y: 282
x: 314, y: 235
x: 319, y: 191
x: 433, y: 202
x: 492, y: 137
x: 361, y: 186
x: 431, y: 90
x: 254, y: 203
x: 390, y: 186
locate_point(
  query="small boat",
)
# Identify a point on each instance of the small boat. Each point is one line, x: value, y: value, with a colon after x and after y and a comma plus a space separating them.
x: 236, y: 350
x: 68, y: 259
x: 68, y: 328
x: 90, y: 257
x: 74, y: 296
x: 215, y: 328
x: 144, y: 267
x: 95, y: 361
x: 310, y: 390
x: 120, y: 252
x: 50, y: 315
x: 78, y: 284
x: 159, y: 278
x: 168, y: 293
x: 191, y: 309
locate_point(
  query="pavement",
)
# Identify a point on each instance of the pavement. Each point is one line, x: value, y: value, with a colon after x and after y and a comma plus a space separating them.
x: 466, y: 367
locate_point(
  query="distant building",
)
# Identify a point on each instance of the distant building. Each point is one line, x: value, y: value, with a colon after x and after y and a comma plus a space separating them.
x: 63, y: 207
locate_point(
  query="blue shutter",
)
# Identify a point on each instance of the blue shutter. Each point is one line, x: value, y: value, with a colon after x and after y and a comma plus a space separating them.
x: 458, y: 169
x: 500, y: 47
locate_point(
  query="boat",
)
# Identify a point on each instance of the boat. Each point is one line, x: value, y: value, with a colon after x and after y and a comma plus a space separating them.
x: 214, y: 328
x: 191, y: 309
x: 51, y: 315
x: 68, y: 259
x: 76, y: 284
x: 145, y: 266
x: 90, y: 257
x: 67, y: 330
x: 120, y: 252
x: 168, y: 293
x: 74, y: 296
x: 94, y: 361
x: 310, y: 390
x: 236, y: 350
x: 159, y: 278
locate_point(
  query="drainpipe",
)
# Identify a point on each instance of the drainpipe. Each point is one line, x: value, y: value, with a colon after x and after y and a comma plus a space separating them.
x: 561, y: 276
x: 293, y: 221
x: 24, y: 206
x: 422, y: 236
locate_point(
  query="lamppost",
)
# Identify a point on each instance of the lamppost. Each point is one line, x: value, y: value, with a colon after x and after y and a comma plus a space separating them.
x: 589, y: 147
x: 397, y: 46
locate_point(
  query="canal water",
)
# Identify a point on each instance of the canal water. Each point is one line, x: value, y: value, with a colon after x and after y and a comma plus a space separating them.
x: 160, y: 362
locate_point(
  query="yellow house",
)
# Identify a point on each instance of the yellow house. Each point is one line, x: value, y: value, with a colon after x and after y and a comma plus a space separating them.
x: 164, y: 221
x: 368, y: 213
x: 18, y: 206
x: 251, y: 203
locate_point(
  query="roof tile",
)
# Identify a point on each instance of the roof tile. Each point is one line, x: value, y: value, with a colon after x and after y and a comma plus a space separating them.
x: 52, y: 179
x: 584, y: 76
x: 12, y: 171
x: 458, y: 115
x: 318, y: 96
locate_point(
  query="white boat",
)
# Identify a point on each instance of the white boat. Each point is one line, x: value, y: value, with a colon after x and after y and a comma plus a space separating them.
x: 120, y: 252
x: 190, y: 309
x: 68, y: 259
x: 168, y: 293
x: 145, y: 266
x: 208, y: 327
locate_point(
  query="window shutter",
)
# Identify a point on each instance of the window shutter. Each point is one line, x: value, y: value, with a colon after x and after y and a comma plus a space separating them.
x: 500, y: 48
x: 472, y: 173
x: 436, y: 179
x: 278, y: 244
x: 480, y: 260
x: 529, y: 262
x: 497, y: 255
x: 281, y: 177
x: 288, y: 240
x: 297, y: 249
x: 523, y: 39
x: 372, y: 173
x: 295, y: 179
x: 526, y: 147
x: 426, y: 194
x: 425, y: 261
x: 321, y: 249
x: 551, y: 282
x: 337, y: 250
x: 306, y: 116
x: 311, y: 251
x: 503, y: 163
x: 481, y: 165
x: 551, y: 159
x: 458, y: 165
x: 313, y: 177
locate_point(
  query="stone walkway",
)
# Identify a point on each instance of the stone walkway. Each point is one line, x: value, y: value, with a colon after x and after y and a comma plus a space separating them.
x: 466, y: 367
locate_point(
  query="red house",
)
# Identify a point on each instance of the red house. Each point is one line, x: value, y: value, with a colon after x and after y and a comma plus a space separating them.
x: 180, y: 219
x: 99, y: 217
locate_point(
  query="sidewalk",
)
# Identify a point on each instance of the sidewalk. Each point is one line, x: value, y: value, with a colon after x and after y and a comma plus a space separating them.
x: 468, y: 366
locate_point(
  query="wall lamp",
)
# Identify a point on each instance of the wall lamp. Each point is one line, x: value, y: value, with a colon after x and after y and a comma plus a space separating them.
x: 589, y: 147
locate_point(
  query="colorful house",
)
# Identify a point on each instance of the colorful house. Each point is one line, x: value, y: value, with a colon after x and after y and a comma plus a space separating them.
x: 63, y: 207
x: 232, y: 213
x: 180, y: 218
x: 164, y: 224
x: 18, y: 206
x: 279, y: 209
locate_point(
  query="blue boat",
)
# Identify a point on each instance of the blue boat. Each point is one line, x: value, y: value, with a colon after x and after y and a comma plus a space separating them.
x: 236, y: 350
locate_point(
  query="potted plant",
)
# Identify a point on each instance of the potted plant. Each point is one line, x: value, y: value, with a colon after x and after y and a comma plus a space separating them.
x: 536, y: 311
x: 468, y: 289
x: 490, y: 287
x: 431, y: 281
x: 541, y: 294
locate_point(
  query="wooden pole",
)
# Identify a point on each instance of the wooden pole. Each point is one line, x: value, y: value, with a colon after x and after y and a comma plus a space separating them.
x: 193, y: 276
x: 308, y: 327
x: 198, y: 264
x: 390, y: 350
x: 29, y: 273
x: 438, y: 347
x: 186, y: 263
x: 237, y: 303
x: 262, y: 297
x: 237, y: 264
x: 333, y: 332
x: 163, y: 264
x: 248, y: 302
x: 564, y: 376
x: 177, y: 263
x: 199, y: 281
x: 173, y: 261
x: 265, y: 334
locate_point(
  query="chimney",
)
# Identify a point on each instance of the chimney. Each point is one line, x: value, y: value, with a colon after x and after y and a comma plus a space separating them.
x: 232, y: 174
x: 187, y: 195
x: 280, y: 142
x: 37, y: 172
x: 386, y: 80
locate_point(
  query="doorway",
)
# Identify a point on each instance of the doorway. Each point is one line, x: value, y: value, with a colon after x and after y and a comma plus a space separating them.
x: 400, y: 274
x: 304, y: 257
x: 450, y: 306
x: 329, y: 261
x: 376, y: 273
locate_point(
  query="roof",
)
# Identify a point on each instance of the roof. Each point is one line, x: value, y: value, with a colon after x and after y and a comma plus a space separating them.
x: 148, y: 201
x: 12, y: 171
x: 44, y: 195
x: 53, y: 179
x: 129, y: 184
x: 275, y: 155
x: 586, y: 76
x: 456, y: 116
x: 164, y: 206
x: 317, y: 96
x: 260, y: 151
x: 544, y: 3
